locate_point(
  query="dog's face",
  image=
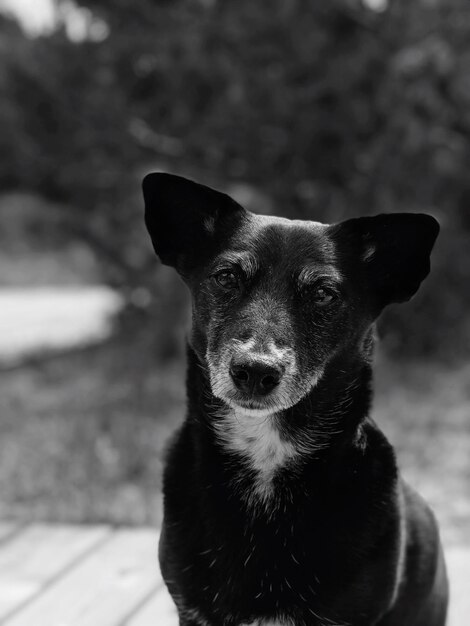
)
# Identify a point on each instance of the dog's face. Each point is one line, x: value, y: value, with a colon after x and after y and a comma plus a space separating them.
x: 270, y: 309
x: 274, y: 300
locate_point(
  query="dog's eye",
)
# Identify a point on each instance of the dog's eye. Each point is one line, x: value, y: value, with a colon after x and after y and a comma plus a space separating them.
x: 323, y: 296
x: 227, y: 279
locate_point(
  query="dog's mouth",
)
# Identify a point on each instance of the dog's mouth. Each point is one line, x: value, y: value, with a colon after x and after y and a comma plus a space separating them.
x: 252, y: 406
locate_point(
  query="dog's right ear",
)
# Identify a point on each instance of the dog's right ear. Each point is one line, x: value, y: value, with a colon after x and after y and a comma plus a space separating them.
x: 186, y: 220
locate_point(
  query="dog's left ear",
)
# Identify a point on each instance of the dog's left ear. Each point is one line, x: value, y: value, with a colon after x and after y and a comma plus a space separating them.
x: 390, y: 252
x: 186, y: 220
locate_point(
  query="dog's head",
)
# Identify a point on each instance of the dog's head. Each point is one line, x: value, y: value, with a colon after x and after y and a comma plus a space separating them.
x: 274, y: 300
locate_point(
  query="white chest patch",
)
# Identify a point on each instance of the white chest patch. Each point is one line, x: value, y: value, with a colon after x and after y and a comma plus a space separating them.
x: 256, y: 438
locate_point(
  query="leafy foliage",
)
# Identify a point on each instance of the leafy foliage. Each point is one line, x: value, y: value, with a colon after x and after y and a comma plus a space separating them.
x: 323, y: 110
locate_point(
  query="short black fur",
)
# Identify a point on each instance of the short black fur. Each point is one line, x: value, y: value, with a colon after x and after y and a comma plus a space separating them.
x: 331, y: 534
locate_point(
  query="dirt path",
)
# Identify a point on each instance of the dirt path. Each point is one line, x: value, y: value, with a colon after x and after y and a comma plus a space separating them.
x: 53, y: 318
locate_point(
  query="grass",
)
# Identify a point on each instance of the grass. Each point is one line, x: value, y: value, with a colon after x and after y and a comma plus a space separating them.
x: 82, y: 435
x: 424, y: 408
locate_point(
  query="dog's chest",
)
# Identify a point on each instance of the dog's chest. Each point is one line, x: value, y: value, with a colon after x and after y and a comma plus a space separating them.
x: 261, y: 445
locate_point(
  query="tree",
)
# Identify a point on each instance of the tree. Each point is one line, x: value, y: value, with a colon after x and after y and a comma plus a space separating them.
x: 328, y: 109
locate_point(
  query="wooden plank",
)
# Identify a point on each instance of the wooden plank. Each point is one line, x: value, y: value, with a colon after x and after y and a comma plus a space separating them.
x: 33, y: 558
x: 158, y: 610
x: 458, y: 564
x: 91, y: 577
x: 103, y: 589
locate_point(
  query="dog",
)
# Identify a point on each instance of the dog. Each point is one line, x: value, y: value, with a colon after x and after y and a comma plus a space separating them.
x: 283, y: 504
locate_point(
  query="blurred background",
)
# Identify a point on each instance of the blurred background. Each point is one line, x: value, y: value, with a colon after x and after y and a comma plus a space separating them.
x: 321, y: 110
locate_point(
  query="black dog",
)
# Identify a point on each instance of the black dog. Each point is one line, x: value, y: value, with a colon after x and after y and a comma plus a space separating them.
x: 283, y: 502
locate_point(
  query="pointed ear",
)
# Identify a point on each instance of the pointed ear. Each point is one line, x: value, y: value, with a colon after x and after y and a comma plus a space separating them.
x: 186, y: 220
x: 390, y: 253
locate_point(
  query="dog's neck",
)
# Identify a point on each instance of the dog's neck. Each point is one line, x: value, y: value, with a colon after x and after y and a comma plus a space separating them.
x: 323, y: 424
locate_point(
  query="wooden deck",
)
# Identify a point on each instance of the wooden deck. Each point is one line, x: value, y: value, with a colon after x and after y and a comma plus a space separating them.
x: 99, y: 576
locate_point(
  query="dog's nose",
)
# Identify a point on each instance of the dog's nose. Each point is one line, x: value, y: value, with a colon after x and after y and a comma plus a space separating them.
x: 255, y: 377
